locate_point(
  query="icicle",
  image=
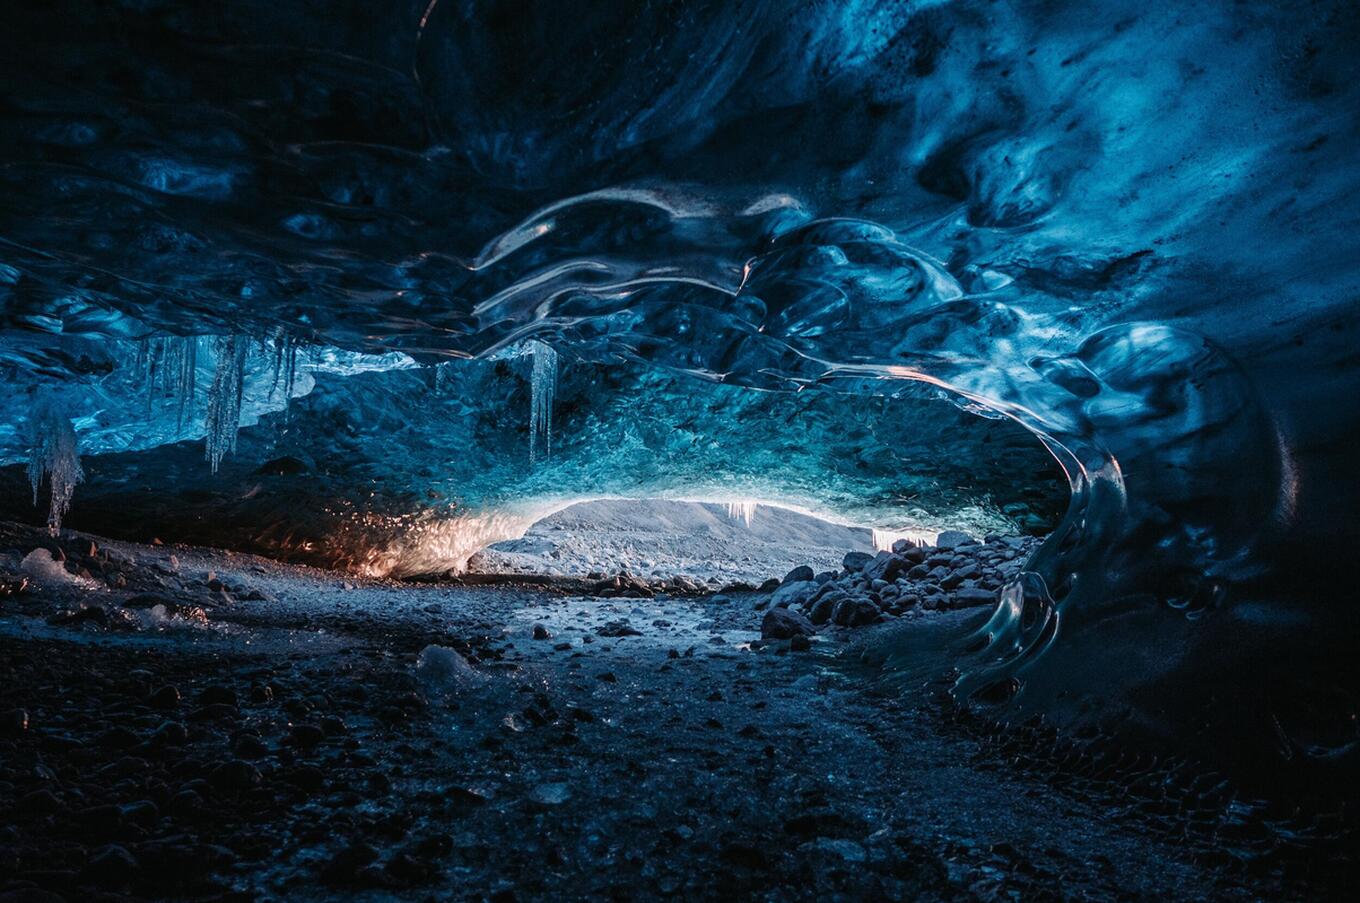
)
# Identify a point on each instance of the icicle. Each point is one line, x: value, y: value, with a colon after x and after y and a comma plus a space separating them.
x: 543, y: 385
x: 742, y: 511
x: 56, y: 453
x: 188, y: 379
x: 224, y: 398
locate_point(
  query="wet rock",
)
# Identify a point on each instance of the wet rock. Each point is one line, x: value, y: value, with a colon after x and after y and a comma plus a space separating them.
x: 783, y: 624
x: 541, y: 632
x: 855, y: 562
x: 620, y: 628
x: 800, y: 643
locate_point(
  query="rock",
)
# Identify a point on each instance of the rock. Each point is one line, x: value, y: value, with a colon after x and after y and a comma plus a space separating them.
x: 620, y: 628
x: 800, y: 643
x: 165, y: 699
x: 112, y: 866
x: 284, y: 466
x: 952, y: 539
x: 550, y: 794
x: 235, y: 776
x: 343, y: 868
x: 792, y: 593
x: 847, y: 850
x: 783, y: 624
x: 249, y: 746
x: 821, y: 610
x: 170, y: 733
x: 885, y: 566
x: 217, y: 695
x: 770, y: 585
x: 306, y: 736
x: 799, y: 574
x: 541, y: 632
x: 856, y: 561
x: 972, y: 596
x: 855, y: 613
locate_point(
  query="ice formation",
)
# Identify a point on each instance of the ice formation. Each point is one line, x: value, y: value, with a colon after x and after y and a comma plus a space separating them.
x: 542, y: 386
x: 1068, y: 215
x: 55, y: 455
x: 743, y: 511
x: 224, y: 397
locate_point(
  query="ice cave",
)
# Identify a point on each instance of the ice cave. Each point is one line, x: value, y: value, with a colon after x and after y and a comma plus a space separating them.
x: 704, y: 449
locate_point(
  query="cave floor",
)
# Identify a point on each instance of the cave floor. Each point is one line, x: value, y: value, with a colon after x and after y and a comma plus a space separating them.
x: 307, y: 756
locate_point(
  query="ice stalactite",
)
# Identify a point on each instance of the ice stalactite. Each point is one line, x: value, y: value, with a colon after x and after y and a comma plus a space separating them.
x: 742, y: 511
x: 169, y: 366
x: 56, y: 454
x: 543, y: 385
x: 224, y: 398
x: 285, y: 365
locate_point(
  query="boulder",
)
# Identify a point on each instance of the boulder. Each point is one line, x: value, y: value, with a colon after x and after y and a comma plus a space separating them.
x: 969, y: 597
x: 783, y: 624
x: 952, y: 539
x: 856, y: 561
x: 793, y: 593
x: 798, y: 575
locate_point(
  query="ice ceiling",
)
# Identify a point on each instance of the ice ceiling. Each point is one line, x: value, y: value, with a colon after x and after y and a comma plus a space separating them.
x: 1129, y: 227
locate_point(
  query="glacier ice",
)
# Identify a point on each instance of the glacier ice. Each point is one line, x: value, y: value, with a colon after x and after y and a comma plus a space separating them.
x: 1068, y: 215
x: 55, y: 455
x: 223, y: 417
x: 542, y: 386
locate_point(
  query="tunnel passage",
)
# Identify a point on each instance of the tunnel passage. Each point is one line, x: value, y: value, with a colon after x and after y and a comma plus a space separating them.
x: 1148, y: 267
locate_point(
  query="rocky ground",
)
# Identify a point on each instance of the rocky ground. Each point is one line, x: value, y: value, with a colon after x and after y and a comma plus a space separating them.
x: 185, y: 723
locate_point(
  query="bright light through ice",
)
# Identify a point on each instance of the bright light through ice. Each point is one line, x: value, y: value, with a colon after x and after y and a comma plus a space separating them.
x: 743, y: 510
x: 884, y: 539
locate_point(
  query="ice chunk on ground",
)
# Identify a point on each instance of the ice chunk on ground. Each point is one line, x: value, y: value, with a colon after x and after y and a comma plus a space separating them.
x: 40, y: 566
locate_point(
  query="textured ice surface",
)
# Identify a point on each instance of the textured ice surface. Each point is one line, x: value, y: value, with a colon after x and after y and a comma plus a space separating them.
x: 1129, y: 229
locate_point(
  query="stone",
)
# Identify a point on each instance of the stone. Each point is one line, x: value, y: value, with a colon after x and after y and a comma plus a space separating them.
x: 112, y: 866
x: 793, y: 593
x: 885, y: 566
x: 952, y: 539
x: 784, y: 624
x: 217, y: 695
x: 855, y: 613
x: 799, y: 574
x: 541, y: 632
x: 973, y: 596
x: 856, y: 561
x: 235, y: 776
x: 800, y: 643
x: 821, y: 610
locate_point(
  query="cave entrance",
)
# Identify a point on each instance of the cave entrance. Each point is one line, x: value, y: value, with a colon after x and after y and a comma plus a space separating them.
x: 711, y: 542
